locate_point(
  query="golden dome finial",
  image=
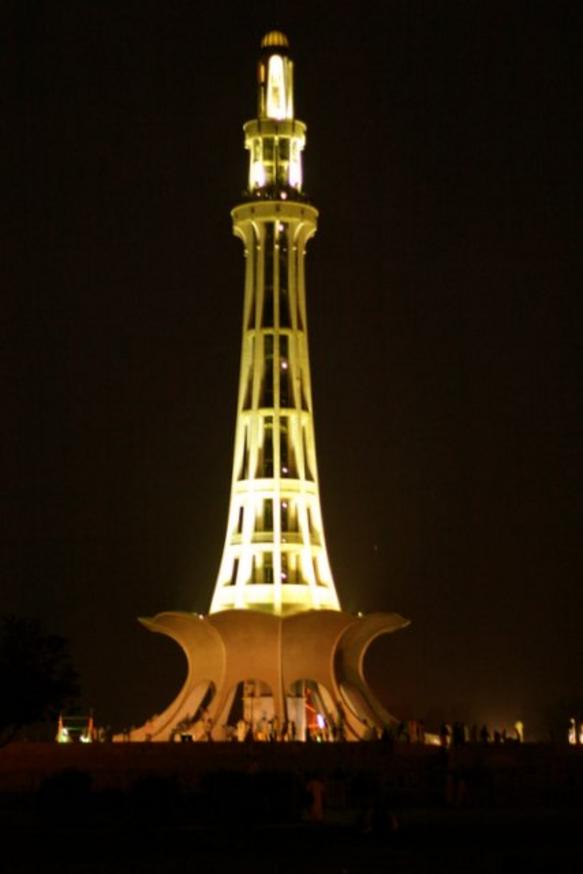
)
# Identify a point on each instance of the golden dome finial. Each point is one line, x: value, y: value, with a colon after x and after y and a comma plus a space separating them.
x: 274, y: 39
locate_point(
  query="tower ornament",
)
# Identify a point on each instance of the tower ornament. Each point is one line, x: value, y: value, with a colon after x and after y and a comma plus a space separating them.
x: 275, y: 649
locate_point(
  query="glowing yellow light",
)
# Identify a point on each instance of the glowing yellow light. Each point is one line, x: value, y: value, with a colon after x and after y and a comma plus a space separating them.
x: 295, y: 165
x: 63, y: 736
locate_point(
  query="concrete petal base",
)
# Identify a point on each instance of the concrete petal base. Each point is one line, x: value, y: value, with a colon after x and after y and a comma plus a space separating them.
x: 224, y: 649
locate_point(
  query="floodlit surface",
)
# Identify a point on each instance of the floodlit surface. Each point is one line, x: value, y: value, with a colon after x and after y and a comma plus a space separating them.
x: 275, y: 557
x: 275, y: 634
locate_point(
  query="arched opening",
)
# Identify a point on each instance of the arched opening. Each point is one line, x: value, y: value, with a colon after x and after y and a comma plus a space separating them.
x: 313, y: 712
x: 250, y: 714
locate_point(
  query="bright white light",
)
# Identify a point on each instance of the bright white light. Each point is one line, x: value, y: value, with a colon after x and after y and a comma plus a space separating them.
x: 276, y: 97
x: 320, y: 720
x: 257, y: 175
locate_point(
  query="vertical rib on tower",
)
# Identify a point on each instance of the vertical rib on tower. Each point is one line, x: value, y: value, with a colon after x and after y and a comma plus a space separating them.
x: 275, y: 556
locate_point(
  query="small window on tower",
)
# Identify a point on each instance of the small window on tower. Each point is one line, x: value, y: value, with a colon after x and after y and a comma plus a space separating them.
x: 284, y: 516
x: 311, y: 522
x: 284, y: 306
x: 284, y: 372
x: 295, y: 166
x: 289, y: 516
x: 268, y: 515
x: 268, y: 278
x: 247, y: 398
x: 251, y: 316
x: 284, y: 302
x: 308, y: 469
x: 268, y: 567
x: 267, y: 393
x: 268, y: 448
x: 284, y: 392
x: 244, y: 469
x: 286, y: 456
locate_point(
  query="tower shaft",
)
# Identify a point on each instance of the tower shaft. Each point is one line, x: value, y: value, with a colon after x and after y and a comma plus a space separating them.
x: 275, y: 556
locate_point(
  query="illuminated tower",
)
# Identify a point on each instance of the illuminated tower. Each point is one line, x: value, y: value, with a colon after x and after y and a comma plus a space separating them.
x: 275, y: 556
x: 275, y: 645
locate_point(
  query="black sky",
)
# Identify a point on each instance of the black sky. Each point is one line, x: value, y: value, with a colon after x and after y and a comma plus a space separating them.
x: 445, y: 331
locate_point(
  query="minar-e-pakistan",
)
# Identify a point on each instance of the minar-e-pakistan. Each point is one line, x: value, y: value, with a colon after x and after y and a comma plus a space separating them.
x: 275, y: 648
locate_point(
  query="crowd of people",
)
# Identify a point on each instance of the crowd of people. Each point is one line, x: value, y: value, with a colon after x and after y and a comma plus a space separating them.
x: 458, y: 733
x: 324, y: 730
x: 262, y: 730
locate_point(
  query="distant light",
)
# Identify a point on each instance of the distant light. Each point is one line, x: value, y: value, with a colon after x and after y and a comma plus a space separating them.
x: 63, y: 736
x: 320, y: 720
x: 284, y: 365
x: 360, y: 614
x: 283, y: 195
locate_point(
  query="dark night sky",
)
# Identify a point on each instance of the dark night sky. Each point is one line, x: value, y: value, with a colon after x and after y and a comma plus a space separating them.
x: 445, y: 331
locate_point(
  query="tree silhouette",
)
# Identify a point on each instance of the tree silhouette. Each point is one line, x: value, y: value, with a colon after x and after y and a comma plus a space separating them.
x: 37, y: 678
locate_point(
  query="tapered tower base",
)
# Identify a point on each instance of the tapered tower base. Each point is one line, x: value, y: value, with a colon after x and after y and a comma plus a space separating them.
x: 298, y: 671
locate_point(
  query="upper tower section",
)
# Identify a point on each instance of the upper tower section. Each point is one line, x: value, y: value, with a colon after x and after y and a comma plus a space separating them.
x: 275, y: 139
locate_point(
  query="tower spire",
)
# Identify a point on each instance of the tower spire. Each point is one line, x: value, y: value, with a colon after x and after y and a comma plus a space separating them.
x: 275, y: 556
x: 275, y: 139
